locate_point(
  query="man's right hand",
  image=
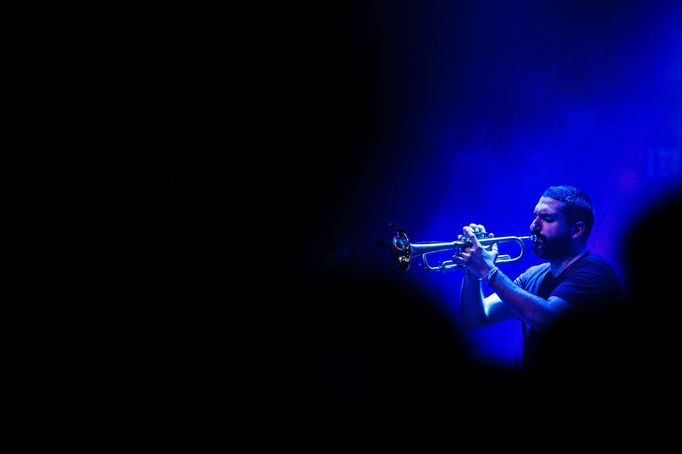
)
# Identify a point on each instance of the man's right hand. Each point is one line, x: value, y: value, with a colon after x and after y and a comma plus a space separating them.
x: 475, y: 257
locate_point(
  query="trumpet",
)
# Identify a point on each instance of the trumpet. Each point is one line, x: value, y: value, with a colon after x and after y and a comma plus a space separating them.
x: 404, y: 251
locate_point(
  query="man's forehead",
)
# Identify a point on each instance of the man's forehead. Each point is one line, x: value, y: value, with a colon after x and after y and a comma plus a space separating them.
x: 548, y: 204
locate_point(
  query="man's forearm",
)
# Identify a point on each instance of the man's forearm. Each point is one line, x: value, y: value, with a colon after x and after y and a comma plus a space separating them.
x: 471, y: 295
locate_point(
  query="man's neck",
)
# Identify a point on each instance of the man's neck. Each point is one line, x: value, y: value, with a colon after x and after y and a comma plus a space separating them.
x: 557, y: 267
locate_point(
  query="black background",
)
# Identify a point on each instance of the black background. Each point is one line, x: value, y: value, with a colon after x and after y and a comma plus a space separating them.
x: 199, y: 154
x: 197, y: 157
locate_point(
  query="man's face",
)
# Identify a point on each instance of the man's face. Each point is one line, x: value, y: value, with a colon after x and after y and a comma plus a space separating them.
x: 551, y: 229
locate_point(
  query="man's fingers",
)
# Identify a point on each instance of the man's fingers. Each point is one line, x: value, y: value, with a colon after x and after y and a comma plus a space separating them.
x: 472, y: 236
x: 477, y: 228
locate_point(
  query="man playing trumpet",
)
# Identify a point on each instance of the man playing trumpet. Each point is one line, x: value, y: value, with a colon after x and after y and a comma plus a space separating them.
x: 573, y: 282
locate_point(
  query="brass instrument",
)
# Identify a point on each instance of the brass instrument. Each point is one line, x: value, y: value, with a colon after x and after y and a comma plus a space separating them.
x: 403, y: 250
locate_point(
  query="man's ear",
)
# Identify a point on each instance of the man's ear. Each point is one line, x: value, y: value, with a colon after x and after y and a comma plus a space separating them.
x: 578, y: 229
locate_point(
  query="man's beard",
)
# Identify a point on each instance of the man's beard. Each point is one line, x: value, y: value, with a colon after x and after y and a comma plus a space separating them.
x: 554, y: 249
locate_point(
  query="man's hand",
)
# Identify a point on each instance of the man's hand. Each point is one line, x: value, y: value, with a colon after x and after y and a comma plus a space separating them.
x: 476, y: 258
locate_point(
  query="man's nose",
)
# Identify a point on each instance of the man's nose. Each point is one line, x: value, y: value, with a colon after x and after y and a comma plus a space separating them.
x: 534, y: 226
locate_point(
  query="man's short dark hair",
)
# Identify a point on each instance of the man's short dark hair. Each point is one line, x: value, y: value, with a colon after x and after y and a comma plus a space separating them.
x: 577, y: 205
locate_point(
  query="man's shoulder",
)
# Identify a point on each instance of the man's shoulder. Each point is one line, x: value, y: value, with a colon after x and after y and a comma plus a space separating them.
x: 533, y: 272
x: 537, y: 269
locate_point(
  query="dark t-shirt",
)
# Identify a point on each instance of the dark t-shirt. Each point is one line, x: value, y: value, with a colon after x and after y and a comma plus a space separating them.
x: 589, y: 285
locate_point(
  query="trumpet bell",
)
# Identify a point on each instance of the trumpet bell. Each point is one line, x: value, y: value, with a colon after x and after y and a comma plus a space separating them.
x: 401, y: 251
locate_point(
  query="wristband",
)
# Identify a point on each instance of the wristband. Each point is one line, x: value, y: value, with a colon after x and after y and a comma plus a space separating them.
x: 489, y: 275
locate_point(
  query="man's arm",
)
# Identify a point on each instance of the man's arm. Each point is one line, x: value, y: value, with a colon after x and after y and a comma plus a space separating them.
x: 477, y: 310
x: 537, y: 312
x: 509, y: 297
